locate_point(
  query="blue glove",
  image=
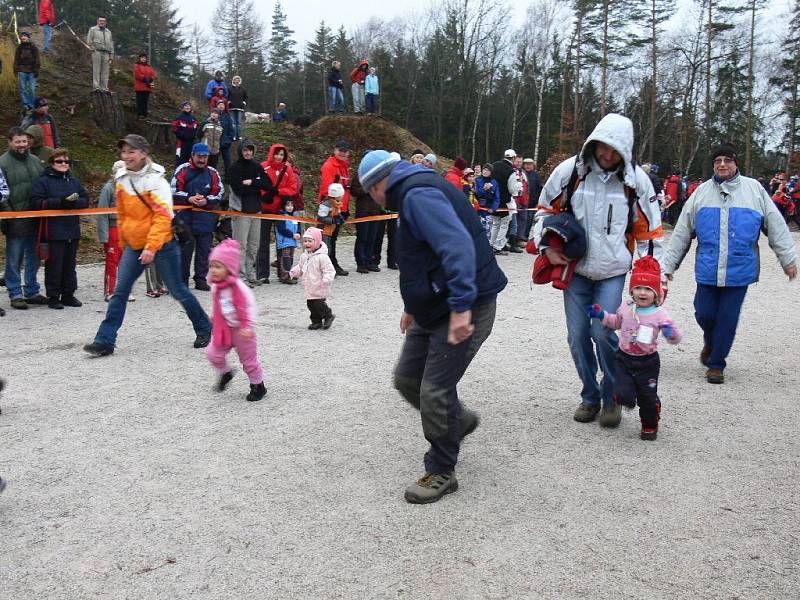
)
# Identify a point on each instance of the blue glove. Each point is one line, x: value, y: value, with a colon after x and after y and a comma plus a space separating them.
x: 594, y: 311
x: 668, y: 330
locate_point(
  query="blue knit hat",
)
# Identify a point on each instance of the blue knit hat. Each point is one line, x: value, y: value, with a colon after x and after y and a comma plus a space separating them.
x: 200, y: 149
x: 376, y: 165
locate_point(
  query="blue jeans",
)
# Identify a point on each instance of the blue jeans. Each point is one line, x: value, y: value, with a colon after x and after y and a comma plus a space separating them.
x: 236, y: 118
x: 21, y: 250
x: 48, y: 35
x: 168, y: 263
x: 27, y: 89
x: 590, y: 342
x: 335, y: 99
x: 717, y: 312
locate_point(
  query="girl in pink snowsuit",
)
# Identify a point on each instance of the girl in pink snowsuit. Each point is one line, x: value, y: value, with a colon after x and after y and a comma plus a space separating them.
x: 317, y: 272
x: 233, y: 317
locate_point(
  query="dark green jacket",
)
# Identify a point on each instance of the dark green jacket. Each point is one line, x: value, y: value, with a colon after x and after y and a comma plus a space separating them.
x: 21, y: 170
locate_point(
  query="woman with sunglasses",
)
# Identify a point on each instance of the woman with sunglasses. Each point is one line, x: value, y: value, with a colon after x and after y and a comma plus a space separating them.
x: 58, y: 237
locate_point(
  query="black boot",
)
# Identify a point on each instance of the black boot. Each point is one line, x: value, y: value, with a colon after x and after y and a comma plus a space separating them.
x: 257, y: 392
x: 223, y: 381
x: 339, y: 270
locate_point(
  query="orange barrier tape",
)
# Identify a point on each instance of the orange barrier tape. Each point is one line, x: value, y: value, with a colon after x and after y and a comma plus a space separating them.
x: 23, y: 214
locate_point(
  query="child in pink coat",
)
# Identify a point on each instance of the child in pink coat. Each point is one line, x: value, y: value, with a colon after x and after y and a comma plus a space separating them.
x: 233, y: 317
x: 317, y: 272
x: 639, y: 323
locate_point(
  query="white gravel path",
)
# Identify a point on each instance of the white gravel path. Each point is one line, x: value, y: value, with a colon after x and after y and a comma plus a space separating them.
x: 129, y: 478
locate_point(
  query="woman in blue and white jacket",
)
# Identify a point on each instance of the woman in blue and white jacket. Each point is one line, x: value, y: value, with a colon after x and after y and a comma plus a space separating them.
x: 727, y: 215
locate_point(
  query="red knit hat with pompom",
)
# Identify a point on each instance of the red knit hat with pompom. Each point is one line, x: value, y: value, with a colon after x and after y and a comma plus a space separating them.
x: 647, y: 273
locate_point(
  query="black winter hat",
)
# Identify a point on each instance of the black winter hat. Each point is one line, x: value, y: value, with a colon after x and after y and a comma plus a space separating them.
x: 725, y: 149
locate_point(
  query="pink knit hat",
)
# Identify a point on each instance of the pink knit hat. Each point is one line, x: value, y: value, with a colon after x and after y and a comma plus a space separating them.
x: 227, y: 252
x: 315, y: 234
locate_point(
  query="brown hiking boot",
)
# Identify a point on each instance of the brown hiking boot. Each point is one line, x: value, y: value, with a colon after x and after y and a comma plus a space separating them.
x: 611, y: 415
x: 431, y: 487
x: 586, y: 413
x: 715, y: 376
x: 706, y: 352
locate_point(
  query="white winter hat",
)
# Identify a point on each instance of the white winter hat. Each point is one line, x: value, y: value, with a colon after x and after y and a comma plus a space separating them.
x: 335, y: 190
x: 510, y: 153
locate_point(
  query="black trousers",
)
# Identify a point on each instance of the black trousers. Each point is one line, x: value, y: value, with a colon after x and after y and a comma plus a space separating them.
x: 60, y: 276
x: 200, y: 245
x: 366, y: 235
x: 330, y: 241
x: 319, y: 310
x: 264, y: 241
x: 142, y: 100
x: 389, y: 228
x: 637, y: 383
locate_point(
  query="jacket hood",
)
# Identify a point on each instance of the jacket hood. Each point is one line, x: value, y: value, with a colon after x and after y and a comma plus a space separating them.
x: 323, y: 249
x: 616, y: 131
x: 35, y: 131
x: 271, y: 155
x: 363, y: 63
x: 150, y: 168
x: 244, y: 144
x: 404, y: 169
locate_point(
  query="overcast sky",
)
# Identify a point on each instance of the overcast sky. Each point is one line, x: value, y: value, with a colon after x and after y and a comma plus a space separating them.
x: 303, y: 16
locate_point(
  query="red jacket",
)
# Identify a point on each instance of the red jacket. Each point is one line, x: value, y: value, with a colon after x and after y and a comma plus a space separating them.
x: 358, y: 75
x: 673, y: 187
x: 455, y: 176
x: 288, y: 185
x: 47, y: 13
x: 332, y: 168
x: 140, y: 74
x: 216, y: 97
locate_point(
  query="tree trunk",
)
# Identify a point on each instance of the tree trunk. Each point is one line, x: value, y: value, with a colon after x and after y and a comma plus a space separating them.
x: 707, y: 116
x: 107, y: 111
x: 654, y: 89
x: 604, y: 63
x: 750, y: 91
x: 540, y: 95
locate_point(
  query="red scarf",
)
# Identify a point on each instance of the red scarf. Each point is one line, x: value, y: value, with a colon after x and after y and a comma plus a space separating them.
x: 221, y: 334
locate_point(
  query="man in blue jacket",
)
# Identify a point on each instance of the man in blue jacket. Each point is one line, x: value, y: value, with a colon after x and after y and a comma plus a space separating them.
x: 197, y: 185
x: 449, y: 281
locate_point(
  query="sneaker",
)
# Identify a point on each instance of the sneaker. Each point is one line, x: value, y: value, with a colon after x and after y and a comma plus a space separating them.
x: 314, y: 326
x: 704, y: 355
x: 254, y: 282
x: 97, y: 350
x: 715, y: 376
x: 264, y: 280
x: 55, y: 303
x: 431, y: 487
x: 469, y: 422
x: 610, y: 415
x: 201, y: 341
x: 223, y: 381
x: 362, y: 269
x: 328, y: 321
x: 71, y: 301
x: 514, y: 249
x: 649, y: 433
x: 202, y: 286
x: 163, y: 291
x: 153, y: 294
x: 37, y: 299
x: 257, y: 392
x: 19, y: 303
x: 293, y: 280
x: 374, y: 268
x: 586, y: 413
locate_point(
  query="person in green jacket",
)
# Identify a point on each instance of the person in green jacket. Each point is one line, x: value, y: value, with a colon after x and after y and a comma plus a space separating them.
x: 21, y: 169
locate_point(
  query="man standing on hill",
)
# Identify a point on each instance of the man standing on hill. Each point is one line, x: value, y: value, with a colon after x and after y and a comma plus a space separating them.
x: 42, y: 117
x: 47, y: 20
x: 502, y: 171
x: 102, y: 46
x: 26, y: 66
x: 21, y: 169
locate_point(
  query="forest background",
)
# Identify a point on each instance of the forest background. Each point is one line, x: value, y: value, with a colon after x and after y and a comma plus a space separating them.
x: 473, y: 77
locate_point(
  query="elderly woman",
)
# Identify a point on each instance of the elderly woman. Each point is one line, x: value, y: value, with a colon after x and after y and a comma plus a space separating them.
x: 144, y: 204
x: 58, y: 189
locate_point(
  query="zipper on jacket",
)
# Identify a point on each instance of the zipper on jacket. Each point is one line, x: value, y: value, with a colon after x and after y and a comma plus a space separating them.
x: 610, y: 216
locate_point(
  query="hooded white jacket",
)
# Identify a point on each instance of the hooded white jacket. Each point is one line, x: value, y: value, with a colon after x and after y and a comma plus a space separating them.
x: 600, y: 204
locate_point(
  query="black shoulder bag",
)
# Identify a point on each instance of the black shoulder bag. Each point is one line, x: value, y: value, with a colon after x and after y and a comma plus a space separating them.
x: 180, y: 232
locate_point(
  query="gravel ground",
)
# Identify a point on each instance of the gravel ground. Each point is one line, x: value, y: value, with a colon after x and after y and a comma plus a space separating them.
x: 129, y: 478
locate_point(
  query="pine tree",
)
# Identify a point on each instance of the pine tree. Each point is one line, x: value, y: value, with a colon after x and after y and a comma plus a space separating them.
x: 280, y: 51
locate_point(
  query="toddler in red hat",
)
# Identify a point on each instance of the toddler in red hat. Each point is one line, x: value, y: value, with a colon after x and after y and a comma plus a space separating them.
x: 639, y: 323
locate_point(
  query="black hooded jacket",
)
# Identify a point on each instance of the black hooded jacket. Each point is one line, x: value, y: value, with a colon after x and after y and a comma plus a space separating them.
x: 242, y: 170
